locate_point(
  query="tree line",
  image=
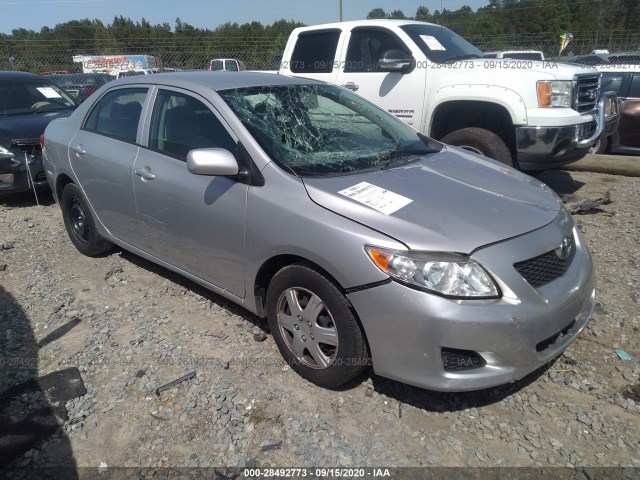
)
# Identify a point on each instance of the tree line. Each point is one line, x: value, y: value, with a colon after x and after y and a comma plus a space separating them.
x: 501, y: 23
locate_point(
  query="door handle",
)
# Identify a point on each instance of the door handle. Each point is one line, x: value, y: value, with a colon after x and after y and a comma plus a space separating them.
x: 351, y: 86
x: 79, y: 149
x: 144, y: 173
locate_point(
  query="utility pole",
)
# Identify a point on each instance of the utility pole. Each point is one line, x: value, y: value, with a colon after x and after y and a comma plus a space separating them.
x: 340, y: 10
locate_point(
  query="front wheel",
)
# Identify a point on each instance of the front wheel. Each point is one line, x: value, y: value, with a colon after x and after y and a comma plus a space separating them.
x: 481, y: 141
x: 80, y: 224
x: 314, y: 327
x: 600, y: 146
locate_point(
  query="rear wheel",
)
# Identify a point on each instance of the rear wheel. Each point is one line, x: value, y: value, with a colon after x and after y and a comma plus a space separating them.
x: 80, y: 223
x: 314, y: 327
x: 481, y: 141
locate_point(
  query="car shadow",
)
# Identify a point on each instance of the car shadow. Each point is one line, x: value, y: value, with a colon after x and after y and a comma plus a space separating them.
x: 559, y: 180
x: 196, y: 288
x: 28, y: 199
x: 32, y: 408
x: 441, y: 402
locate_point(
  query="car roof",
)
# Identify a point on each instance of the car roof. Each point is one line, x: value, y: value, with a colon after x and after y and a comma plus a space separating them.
x: 12, y: 77
x: 219, y: 80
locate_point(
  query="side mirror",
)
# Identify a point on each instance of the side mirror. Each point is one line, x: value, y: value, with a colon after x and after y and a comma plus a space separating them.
x: 395, y: 60
x: 212, y: 161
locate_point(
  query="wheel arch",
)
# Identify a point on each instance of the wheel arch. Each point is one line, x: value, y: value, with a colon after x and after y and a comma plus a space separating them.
x: 270, y: 267
x: 62, y: 181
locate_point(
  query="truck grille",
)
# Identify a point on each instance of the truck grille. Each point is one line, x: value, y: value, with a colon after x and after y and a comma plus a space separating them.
x: 545, y: 268
x: 586, y: 94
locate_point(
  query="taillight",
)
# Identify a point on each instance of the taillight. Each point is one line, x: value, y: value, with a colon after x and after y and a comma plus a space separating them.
x: 42, y: 141
x: 90, y: 91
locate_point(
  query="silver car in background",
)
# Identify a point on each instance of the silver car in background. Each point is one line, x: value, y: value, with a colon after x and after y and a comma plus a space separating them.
x: 360, y: 240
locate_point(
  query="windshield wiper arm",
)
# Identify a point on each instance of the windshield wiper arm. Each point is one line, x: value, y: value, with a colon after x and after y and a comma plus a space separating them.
x: 397, y: 155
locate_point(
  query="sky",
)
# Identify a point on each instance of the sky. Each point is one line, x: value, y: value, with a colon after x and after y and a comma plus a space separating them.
x: 35, y: 14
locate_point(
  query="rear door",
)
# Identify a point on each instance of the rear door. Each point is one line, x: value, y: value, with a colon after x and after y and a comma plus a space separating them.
x: 401, y: 94
x: 102, y: 154
x: 193, y: 222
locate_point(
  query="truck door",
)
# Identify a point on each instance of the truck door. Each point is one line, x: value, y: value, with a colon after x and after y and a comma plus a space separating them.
x: 400, y: 93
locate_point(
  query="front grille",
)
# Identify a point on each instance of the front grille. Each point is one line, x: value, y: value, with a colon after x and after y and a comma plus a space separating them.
x: 30, y: 147
x: 587, y: 92
x: 545, y: 268
x: 454, y: 360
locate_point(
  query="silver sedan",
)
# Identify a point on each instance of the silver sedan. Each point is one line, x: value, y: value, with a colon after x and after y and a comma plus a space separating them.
x: 360, y: 240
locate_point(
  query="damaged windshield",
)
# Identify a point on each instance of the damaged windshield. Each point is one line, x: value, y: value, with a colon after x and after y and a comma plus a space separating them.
x: 324, y: 130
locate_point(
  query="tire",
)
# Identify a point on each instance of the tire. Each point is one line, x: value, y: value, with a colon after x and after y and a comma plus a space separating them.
x: 600, y: 146
x: 80, y: 224
x: 479, y: 140
x: 321, y: 309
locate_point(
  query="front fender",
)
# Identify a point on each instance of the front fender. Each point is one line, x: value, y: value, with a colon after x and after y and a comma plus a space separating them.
x: 510, y: 100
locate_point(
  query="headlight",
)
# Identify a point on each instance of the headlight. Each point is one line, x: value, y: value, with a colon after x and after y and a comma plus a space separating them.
x: 554, y: 93
x: 447, y: 274
x: 4, y: 153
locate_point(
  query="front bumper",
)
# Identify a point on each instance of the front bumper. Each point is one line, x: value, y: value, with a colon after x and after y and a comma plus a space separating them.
x: 407, y: 329
x: 21, y: 177
x: 549, y: 147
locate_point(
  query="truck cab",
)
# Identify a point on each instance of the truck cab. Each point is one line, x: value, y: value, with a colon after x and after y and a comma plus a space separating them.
x: 525, y: 113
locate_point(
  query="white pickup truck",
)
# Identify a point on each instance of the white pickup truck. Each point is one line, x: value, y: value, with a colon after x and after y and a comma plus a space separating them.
x: 529, y: 114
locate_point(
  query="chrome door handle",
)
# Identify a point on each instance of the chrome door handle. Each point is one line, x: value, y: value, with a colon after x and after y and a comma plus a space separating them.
x: 351, y: 86
x: 79, y: 149
x: 145, y: 173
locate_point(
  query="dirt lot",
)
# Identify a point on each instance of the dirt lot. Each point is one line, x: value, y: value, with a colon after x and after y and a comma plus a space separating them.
x: 131, y: 327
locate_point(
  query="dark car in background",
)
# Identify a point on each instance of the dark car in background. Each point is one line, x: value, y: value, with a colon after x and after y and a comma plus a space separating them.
x: 81, y: 85
x: 624, y: 80
x: 28, y: 102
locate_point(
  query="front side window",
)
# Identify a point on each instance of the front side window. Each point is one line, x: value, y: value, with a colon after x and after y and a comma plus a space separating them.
x: 117, y: 114
x: 615, y: 82
x: 315, y: 52
x: 181, y: 123
x: 324, y: 130
x: 366, y: 48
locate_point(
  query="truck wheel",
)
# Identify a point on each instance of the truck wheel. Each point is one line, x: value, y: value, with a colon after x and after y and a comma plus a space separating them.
x: 600, y: 146
x: 479, y: 140
x: 314, y: 327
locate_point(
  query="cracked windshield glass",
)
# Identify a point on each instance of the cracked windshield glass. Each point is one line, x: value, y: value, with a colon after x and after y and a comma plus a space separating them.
x: 324, y: 130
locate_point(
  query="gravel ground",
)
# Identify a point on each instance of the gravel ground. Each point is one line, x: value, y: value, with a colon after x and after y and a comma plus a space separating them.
x: 135, y: 326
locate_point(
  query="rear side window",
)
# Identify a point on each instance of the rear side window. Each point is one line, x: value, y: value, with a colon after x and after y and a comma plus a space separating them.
x: 315, y: 52
x: 181, y: 123
x: 117, y: 114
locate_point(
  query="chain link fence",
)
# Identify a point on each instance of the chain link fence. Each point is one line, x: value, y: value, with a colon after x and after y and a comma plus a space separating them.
x: 260, y: 55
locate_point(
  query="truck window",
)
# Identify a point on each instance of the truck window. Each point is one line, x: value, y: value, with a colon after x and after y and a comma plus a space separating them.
x: 634, y: 91
x: 315, y: 52
x: 366, y: 47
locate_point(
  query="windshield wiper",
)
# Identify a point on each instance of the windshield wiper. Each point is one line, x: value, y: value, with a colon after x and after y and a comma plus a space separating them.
x: 397, y: 156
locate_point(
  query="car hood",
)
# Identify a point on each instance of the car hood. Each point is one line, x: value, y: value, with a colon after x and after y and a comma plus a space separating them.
x: 24, y: 127
x: 459, y: 201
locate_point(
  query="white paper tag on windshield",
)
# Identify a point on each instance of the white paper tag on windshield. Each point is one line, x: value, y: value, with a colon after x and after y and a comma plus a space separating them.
x: 432, y: 42
x: 48, y: 92
x: 375, y: 197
